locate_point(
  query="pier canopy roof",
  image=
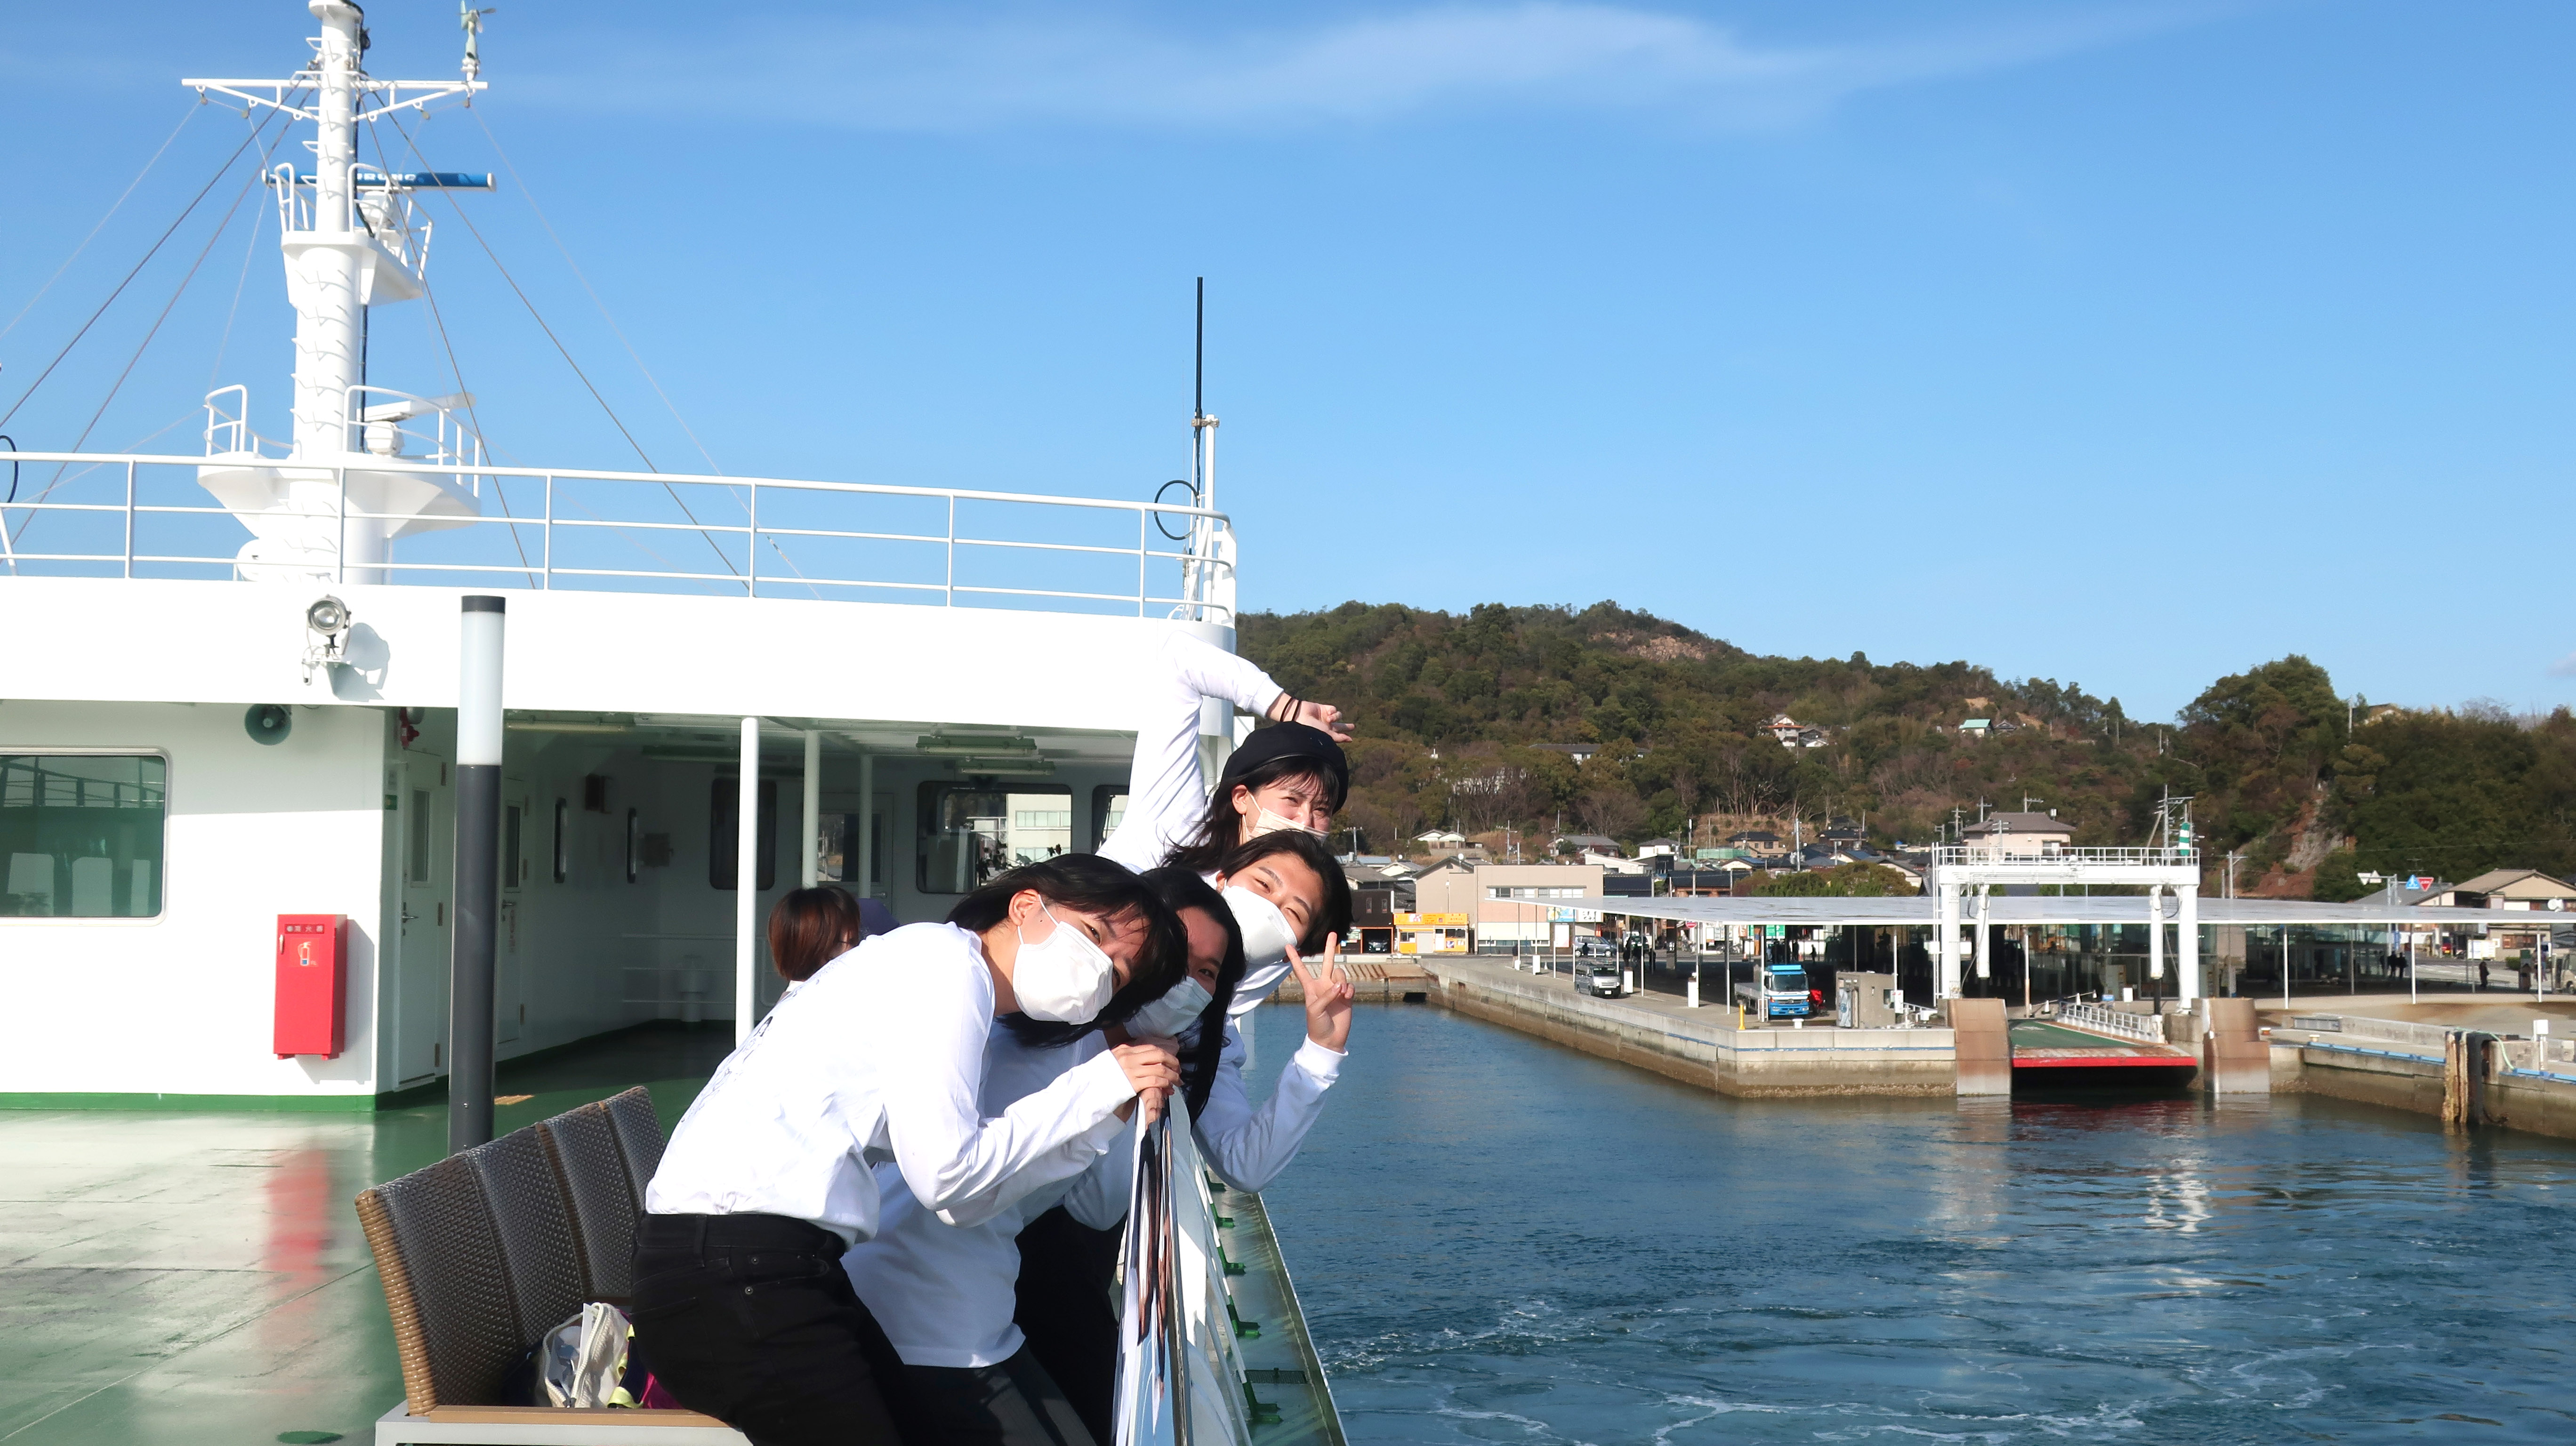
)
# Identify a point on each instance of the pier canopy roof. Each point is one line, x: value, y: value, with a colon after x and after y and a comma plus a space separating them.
x: 2013, y: 909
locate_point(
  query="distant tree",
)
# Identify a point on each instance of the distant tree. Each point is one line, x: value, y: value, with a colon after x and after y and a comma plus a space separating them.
x: 1845, y: 881
x: 1610, y: 812
x: 2338, y: 879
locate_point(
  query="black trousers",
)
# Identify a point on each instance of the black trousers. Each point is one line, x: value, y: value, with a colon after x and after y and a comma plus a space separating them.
x: 1067, y: 1311
x: 1013, y: 1404
x: 750, y: 1319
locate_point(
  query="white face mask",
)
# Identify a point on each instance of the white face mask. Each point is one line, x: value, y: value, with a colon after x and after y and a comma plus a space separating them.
x: 1172, y: 1013
x: 1264, y: 821
x: 1266, y: 935
x: 1063, y: 977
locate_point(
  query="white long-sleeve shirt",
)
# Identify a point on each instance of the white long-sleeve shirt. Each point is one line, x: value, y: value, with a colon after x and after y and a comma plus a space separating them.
x: 945, y: 1294
x: 1167, y: 794
x: 1248, y: 1147
x: 879, y: 1059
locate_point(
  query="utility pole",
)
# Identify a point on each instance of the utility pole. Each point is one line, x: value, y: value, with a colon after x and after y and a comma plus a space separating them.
x: 2232, y: 857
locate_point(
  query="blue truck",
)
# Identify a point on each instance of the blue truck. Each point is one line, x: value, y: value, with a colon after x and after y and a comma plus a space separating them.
x: 1779, y: 992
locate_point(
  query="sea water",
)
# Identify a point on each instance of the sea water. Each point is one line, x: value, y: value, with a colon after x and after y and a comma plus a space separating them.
x: 1498, y: 1239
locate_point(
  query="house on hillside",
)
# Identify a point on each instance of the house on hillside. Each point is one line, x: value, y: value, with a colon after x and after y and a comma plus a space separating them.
x: 1793, y: 734
x: 1756, y: 841
x: 1448, y: 843
x: 1659, y: 848
x: 2516, y: 889
x: 2017, y: 835
x: 1976, y: 728
x: 1841, y: 830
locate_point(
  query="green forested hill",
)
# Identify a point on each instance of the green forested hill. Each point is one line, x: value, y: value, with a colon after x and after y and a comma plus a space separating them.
x: 1449, y: 710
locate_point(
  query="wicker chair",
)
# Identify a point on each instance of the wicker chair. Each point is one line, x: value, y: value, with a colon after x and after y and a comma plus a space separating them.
x: 485, y: 1251
x: 639, y: 1136
x: 591, y: 1172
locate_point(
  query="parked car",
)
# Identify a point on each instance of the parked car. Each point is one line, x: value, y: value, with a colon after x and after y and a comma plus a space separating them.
x: 1599, y: 977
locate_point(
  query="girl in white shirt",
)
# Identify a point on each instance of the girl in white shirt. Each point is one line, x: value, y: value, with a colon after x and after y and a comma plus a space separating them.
x: 741, y: 1306
x: 947, y: 1295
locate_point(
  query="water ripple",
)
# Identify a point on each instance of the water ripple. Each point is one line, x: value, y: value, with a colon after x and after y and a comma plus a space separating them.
x: 1498, y: 1240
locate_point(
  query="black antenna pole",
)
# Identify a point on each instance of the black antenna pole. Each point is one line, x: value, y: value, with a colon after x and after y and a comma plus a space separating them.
x: 1198, y: 376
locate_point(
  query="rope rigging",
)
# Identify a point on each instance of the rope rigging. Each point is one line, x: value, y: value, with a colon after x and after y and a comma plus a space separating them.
x: 438, y: 320
x: 566, y: 354
x: 259, y: 135
x: 157, y: 322
x: 112, y: 209
x: 155, y: 250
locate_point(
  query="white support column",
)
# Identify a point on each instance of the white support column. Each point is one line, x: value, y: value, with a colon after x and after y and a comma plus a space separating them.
x: 867, y: 825
x: 2155, y: 931
x: 2188, y: 944
x: 1985, y: 934
x: 746, y: 881
x: 1945, y: 944
x: 813, y: 851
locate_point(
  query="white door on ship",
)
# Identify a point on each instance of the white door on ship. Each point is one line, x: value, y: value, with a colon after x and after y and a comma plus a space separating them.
x: 427, y: 840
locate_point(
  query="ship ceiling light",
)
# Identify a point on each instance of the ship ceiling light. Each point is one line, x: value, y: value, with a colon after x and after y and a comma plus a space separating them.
x: 974, y: 744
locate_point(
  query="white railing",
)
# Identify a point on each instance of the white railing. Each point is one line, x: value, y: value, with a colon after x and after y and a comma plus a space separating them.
x: 2001, y: 852
x: 566, y: 529
x: 2103, y: 1019
x: 1181, y: 1380
x: 371, y: 421
x: 384, y: 212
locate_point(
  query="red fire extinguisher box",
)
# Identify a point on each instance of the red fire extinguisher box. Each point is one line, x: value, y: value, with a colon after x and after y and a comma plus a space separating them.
x: 312, y: 983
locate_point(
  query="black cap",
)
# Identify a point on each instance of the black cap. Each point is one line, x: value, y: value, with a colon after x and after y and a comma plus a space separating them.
x: 1290, y: 740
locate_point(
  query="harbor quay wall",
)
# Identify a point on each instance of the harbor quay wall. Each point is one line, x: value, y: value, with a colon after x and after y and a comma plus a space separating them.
x: 2464, y: 1077
x: 1750, y: 1063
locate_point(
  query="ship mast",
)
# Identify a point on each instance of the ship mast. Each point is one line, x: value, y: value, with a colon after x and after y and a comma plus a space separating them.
x: 323, y: 262
x: 351, y: 239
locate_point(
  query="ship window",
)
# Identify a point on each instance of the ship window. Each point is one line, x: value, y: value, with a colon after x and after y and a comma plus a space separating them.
x: 81, y: 834
x: 510, y: 868
x: 971, y: 832
x: 1108, y: 810
x: 420, y: 836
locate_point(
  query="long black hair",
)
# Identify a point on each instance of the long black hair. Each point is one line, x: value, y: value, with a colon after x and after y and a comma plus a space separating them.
x: 1093, y: 885
x: 1182, y: 890
x: 1334, y: 917
x: 1277, y: 754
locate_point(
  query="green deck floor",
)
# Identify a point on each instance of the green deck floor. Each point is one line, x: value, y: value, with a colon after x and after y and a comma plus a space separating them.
x: 200, y: 1277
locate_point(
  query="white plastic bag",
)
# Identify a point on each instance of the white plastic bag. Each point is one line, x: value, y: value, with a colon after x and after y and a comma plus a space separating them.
x: 580, y: 1363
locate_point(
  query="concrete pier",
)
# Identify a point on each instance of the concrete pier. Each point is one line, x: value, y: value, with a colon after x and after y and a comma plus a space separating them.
x: 1700, y: 1046
x: 2471, y: 1064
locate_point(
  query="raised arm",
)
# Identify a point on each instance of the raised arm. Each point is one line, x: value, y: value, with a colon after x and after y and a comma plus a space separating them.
x: 1165, y: 792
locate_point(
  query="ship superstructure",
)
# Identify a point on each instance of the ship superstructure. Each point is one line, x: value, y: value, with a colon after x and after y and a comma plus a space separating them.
x: 254, y: 715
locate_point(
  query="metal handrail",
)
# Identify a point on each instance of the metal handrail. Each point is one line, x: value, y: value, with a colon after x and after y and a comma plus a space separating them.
x: 543, y: 569
x: 1975, y: 854
x: 2101, y: 1019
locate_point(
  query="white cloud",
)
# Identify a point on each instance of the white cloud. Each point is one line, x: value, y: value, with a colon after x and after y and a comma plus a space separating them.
x: 985, y: 74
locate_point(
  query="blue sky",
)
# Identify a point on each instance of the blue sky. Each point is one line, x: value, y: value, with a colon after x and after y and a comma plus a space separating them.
x: 2129, y: 344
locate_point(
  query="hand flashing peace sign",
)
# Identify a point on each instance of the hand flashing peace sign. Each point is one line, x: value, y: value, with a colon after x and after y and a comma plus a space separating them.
x: 1328, y: 996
